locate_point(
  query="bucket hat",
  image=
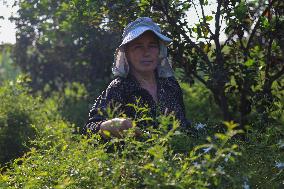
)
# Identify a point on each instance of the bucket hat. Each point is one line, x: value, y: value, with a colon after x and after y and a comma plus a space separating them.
x: 132, y: 31
x: 138, y: 27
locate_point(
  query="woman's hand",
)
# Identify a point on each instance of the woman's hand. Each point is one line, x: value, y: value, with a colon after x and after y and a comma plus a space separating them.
x: 116, y: 126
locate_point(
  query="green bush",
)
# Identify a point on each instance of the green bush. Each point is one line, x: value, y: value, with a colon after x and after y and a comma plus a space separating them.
x: 22, y: 116
x: 199, y: 104
x: 152, y: 161
x: 56, y: 158
x: 72, y: 102
x: 262, y: 160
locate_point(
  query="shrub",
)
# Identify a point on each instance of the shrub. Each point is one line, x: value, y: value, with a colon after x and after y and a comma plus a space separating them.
x: 199, y: 104
x: 72, y: 102
x: 262, y: 162
x: 160, y: 158
x: 22, y: 116
x: 155, y: 160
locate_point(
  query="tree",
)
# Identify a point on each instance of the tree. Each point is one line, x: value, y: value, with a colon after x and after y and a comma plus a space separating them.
x: 63, y: 41
x: 8, y: 69
x: 241, y: 71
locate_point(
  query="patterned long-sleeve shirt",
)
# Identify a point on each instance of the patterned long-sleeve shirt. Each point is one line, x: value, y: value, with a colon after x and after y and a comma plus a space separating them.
x: 125, y: 91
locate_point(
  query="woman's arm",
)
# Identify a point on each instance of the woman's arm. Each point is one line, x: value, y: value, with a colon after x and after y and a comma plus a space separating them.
x: 99, y: 121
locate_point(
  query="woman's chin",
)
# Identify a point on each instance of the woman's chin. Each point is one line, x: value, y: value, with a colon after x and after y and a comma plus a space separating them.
x: 146, y: 71
x: 147, y: 68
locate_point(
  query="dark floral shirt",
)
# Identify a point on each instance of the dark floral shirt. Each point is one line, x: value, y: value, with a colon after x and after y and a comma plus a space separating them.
x: 125, y: 91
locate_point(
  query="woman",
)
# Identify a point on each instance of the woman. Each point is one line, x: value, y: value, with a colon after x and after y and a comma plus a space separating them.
x: 144, y: 77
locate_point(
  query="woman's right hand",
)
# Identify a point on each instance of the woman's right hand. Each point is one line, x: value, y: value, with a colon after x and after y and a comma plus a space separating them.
x: 116, y: 126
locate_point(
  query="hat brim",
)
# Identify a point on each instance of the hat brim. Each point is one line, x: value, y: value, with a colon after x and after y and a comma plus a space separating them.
x: 139, y: 31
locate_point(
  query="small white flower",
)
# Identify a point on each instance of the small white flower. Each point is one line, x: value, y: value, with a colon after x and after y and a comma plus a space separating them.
x: 200, y: 126
x: 177, y: 133
x: 279, y: 165
x: 228, y: 156
x: 281, y: 144
x: 206, y: 150
x: 246, y: 185
x: 197, y: 165
x: 220, y: 169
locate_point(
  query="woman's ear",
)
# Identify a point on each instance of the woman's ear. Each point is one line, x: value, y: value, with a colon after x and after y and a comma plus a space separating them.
x: 126, y: 66
x: 125, y: 49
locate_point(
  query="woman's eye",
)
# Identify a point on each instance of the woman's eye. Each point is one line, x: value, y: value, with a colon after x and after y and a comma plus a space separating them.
x: 138, y: 47
x: 154, y: 46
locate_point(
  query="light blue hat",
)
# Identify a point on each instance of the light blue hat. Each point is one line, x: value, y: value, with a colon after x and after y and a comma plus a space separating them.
x: 138, y: 27
x: 132, y: 31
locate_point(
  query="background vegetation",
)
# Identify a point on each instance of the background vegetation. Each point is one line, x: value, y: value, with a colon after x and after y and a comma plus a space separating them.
x: 62, y: 60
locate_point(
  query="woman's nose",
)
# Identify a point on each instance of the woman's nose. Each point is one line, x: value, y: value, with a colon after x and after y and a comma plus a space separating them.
x: 146, y: 51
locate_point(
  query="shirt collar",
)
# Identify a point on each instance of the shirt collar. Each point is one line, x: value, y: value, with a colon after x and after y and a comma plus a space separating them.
x: 132, y: 84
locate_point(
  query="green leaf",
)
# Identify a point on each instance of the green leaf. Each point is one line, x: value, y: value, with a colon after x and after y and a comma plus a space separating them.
x: 230, y: 125
x: 220, y: 136
x: 241, y: 11
x: 209, y: 18
x: 157, y: 151
x: 265, y: 23
x: 249, y: 62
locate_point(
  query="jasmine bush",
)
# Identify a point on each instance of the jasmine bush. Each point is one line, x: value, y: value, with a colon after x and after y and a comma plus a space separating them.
x: 54, y: 157
x: 62, y: 160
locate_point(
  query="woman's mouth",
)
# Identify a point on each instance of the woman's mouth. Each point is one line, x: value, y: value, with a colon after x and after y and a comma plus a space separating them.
x: 146, y: 62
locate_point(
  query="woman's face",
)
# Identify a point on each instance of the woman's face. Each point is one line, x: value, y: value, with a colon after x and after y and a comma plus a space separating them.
x: 142, y: 53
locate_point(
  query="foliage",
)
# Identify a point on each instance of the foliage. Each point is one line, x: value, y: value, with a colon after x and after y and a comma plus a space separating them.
x: 73, y: 103
x: 242, y: 76
x: 63, y: 41
x: 67, y: 48
x: 159, y: 158
x: 262, y: 159
x: 199, y: 104
x: 8, y: 69
x: 62, y: 161
x: 21, y: 118
x: 60, y: 40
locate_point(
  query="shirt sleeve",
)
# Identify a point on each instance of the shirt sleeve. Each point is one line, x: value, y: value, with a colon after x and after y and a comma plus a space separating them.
x: 181, y: 113
x: 111, y: 97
